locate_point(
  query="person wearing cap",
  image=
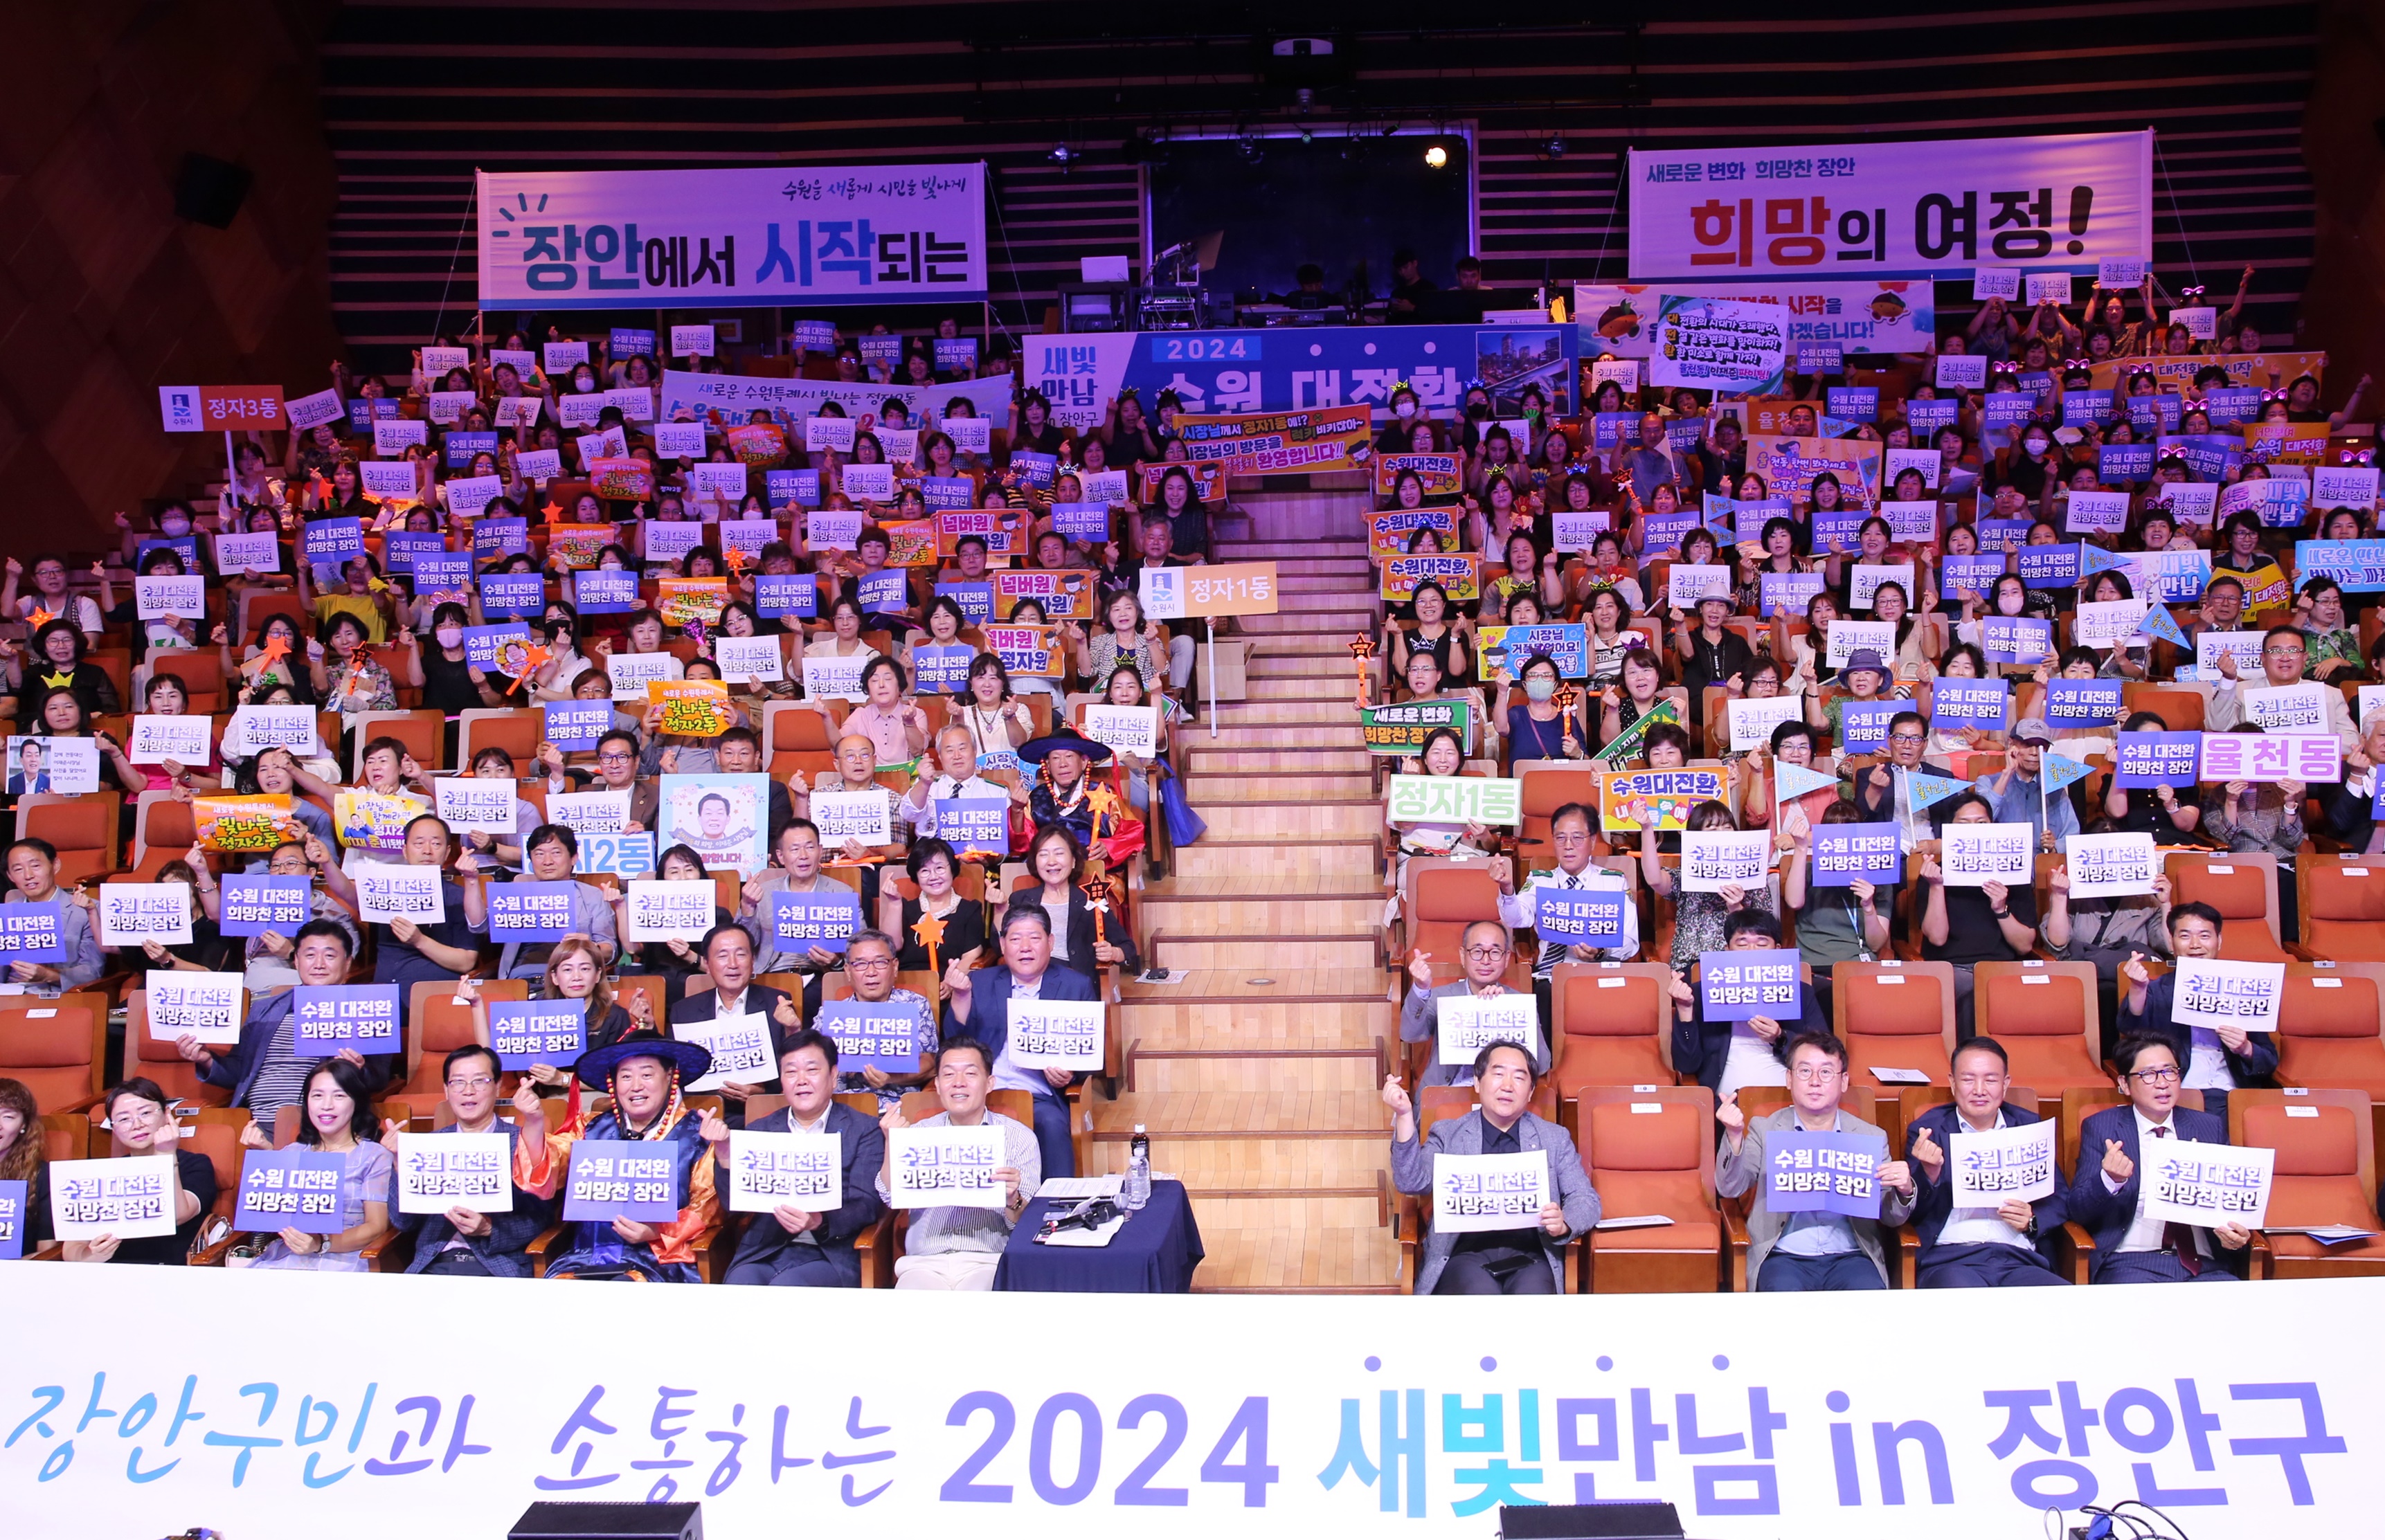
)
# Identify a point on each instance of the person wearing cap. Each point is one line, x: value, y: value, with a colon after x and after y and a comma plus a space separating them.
x: 646, y: 1076
x: 1867, y: 679
x: 1065, y: 790
x: 2016, y: 794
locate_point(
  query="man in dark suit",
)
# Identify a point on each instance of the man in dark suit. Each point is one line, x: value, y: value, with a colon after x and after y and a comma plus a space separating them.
x: 977, y: 1005
x: 728, y: 953
x: 2215, y: 1059
x: 1976, y: 1248
x: 793, y: 1245
x: 463, y: 1240
x: 1704, y: 1049
x: 2107, y: 1195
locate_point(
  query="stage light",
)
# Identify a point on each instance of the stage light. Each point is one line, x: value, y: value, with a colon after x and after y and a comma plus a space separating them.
x: 1251, y: 150
x: 1436, y: 157
x: 1556, y: 146
x: 1061, y: 155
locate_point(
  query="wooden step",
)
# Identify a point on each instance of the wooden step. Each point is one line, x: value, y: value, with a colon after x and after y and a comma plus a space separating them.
x: 1340, y: 614
x: 1203, y: 760
x: 1358, y: 583
x: 1310, y: 685
x: 1280, y: 552
x: 1288, y: 907
x: 1279, y: 736
x: 1298, y: 1210
x: 1263, y: 955
x: 1226, y: 1011
x: 1333, y: 709
x: 1272, y: 857
x: 1204, y: 787
x: 1304, y: 644
x: 1276, y: 1258
x: 1315, y: 818
x: 1170, y: 1074
x: 1279, y: 665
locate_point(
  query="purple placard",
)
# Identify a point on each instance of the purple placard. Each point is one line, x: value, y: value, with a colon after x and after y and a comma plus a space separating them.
x: 974, y: 826
x: 1833, y: 1174
x: 528, y: 1033
x: 1578, y: 916
x: 575, y: 726
x: 778, y: 595
x: 1083, y: 521
x: 1844, y: 852
x: 400, y: 547
x: 12, y: 1221
x: 530, y: 910
x: 2076, y: 704
x: 290, y: 1189
x: 333, y: 540
x: 941, y: 670
x: 622, y: 1179
x: 881, y: 591
x: 1663, y: 532
x: 948, y: 493
x: 2116, y: 463
x: 976, y: 600
x: 327, y: 1018
x: 1739, y: 985
x: 1863, y: 724
x: 802, y: 920
x: 34, y: 932
x: 783, y: 489
x: 2017, y: 639
x: 2049, y: 567
x: 1035, y: 469
x: 598, y: 591
x: 263, y: 905
x: 2157, y: 759
x: 1854, y: 403
x: 1925, y: 415
x: 1982, y: 704
x: 1788, y: 592
x: 882, y: 1037
x: 2002, y: 536
x: 1837, y: 529
x: 1977, y: 572
x: 512, y: 596
x: 499, y: 537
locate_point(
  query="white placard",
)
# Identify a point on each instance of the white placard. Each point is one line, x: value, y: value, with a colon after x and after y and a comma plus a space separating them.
x: 1688, y: 584
x: 1865, y: 584
x: 2243, y: 646
x: 668, y: 912
x: 2120, y: 272
x: 468, y: 804
x: 1714, y: 859
x: 2208, y: 992
x: 2186, y: 1183
x: 2096, y: 514
x: 691, y: 341
x: 1056, y: 1033
x: 471, y: 495
x: 2003, y: 1163
x: 314, y: 411
x: 2189, y: 501
x: 611, y: 443
x: 871, y: 483
x: 253, y: 729
x: 1623, y: 372
x: 154, y: 739
x: 539, y: 465
x: 2343, y: 487
x: 454, y: 1170
x: 522, y: 359
x: 518, y: 410
x: 562, y: 355
x: 833, y: 678
x: 1962, y: 371
x: 2107, y: 622
x: 128, y: 1197
x: 1752, y: 721
x: 439, y: 361
x: 723, y: 482
x: 750, y: 658
x: 2111, y: 865
x: 447, y: 407
x: 680, y: 441
x: 1929, y: 462
x: 833, y: 528
x: 748, y: 535
x: 635, y: 403
x: 393, y: 436
x: 863, y: 815
x: 2201, y: 321
x: 901, y: 446
x: 257, y: 553
x: 2289, y: 708
x: 180, y: 1004
x: 829, y: 433
x: 633, y: 672
x: 740, y: 1045
x: 970, y: 435
x: 798, y: 1171
x: 1975, y: 854
x: 389, y: 480
x: 1466, y: 1025
x: 1993, y: 284
x: 1475, y: 1192
x: 131, y: 913
x: 1102, y: 486
x: 580, y: 410
x: 946, y: 1167
x: 2048, y: 288
x: 1125, y: 729
x: 386, y: 891
x: 171, y: 598
x: 72, y: 765
x: 668, y: 540
x: 1850, y: 637
x: 590, y: 812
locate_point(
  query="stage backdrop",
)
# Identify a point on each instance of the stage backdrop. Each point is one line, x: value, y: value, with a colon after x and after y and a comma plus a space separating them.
x: 362, y: 1407
x: 787, y: 235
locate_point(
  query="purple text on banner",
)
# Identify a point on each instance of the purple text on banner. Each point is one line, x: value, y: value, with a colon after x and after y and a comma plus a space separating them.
x: 1863, y: 724
x: 598, y: 591
x: 976, y: 600
x: 802, y: 920
x: 2157, y: 759
x: 1739, y: 985
x: 621, y: 1179
x: 530, y: 910
x: 1844, y: 853
x: 512, y: 596
x: 1836, y: 1173
x: 883, y: 1036
x: 327, y: 1018
x: 2082, y: 702
x: 34, y: 932
x: 941, y: 670
x: 263, y: 905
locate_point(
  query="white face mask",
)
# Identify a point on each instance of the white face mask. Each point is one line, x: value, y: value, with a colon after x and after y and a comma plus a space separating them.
x: 2037, y: 446
x: 173, y: 525
x: 1404, y: 409
x: 450, y: 636
x: 1541, y: 689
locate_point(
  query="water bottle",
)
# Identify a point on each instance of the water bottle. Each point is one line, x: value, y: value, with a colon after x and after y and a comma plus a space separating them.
x: 1138, y: 1170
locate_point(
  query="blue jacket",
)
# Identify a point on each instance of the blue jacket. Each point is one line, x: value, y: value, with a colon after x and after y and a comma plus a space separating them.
x: 1933, y: 1203
x: 504, y: 1251
x: 2253, y: 1067
x: 865, y: 1150
x: 238, y: 1069
x: 2106, y: 1215
x: 989, y: 1013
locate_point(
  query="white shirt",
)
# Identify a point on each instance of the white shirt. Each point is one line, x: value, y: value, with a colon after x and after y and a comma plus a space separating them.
x: 1516, y: 913
x: 1978, y: 1226
x: 2146, y: 1234
x: 1008, y: 1077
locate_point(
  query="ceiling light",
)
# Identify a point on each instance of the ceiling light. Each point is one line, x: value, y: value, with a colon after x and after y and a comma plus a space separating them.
x: 1436, y: 157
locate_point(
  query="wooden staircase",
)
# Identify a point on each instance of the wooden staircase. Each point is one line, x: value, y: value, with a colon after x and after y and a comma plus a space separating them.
x: 1258, y: 1077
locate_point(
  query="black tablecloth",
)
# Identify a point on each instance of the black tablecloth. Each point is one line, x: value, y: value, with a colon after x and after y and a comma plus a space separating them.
x: 1153, y: 1252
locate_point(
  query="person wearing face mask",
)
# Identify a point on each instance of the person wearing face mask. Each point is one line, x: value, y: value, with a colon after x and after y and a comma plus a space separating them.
x: 552, y: 679
x: 449, y: 681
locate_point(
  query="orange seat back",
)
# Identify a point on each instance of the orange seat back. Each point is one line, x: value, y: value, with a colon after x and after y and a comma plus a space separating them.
x: 83, y: 830
x: 2328, y: 1005
x: 518, y: 735
x: 49, y: 1047
x: 202, y: 675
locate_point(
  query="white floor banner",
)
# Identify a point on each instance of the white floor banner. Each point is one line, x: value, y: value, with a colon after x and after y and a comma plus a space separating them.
x: 284, y: 1404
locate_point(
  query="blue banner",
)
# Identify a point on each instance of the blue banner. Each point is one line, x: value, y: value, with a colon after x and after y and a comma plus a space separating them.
x: 598, y: 591
x: 883, y: 1036
x: 624, y: 855
x: 399, y: 548
x: 530, y: 911
x: 575, y: 726
x: 1822, y: 1172
x: 622, y: 1179
x: 2157, y: 759
x: 448, y: 573
x: 462, y: 445
x: 12, y: 1221
x: 1926, y: 417
x: 628, y: 342
x: 2357, y: 567
x: 261, y: 904
x: 2049, y: 567
x: 1660, y: 533
x: 1579, y: 916
x: 974, y: 826
x: 548, y: 1032
x: 941, y: 670
x: 482, y: 643
x: 499, y: 537
x: 1566, y: 646
x: 2231, y: 406
x: 2002, y: 536
x: 1083, y: 521
x: 1842, y: 853
x: 2017, y: 639
x: 2208, y: 456
x: 1982, y: 704
x: 332, y: 540
x: 1837, y: 528
x: 2087, y: 408
x: 1737, y: 986
x: 1863, y: 724
x: 327, y: 1018
x: 951, y: 493
x: 782, y: 595
x: 1976, y: 573
x: 955, y: 354
x: 1854, y: 403
x: 1269, y: 372
x: 883, y: 591
x: 784, y: 488
x: 32, y: 933
x: 186, y: 547
x: 2156, y: 414
x: 1034, y: 469
x: 976, y: 600
x: 2124, y: 463
x: 802, y: 920
x: 2082, y: 702
x: 296, y: 1189
x: 512, y: 596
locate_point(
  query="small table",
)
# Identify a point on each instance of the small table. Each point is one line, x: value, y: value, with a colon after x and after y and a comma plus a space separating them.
x: 1153, y: 1252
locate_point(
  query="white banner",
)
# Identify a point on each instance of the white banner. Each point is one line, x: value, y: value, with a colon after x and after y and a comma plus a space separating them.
x: 736, y: 395
x: 2111, y: 865
x: 1974, y: 854
x: 1901, y: 210
x: 1712, y: 860
x: 1752, y: 720
x: 1474, y: 1193
x: 1861, y: 317
x: 2208, y: 1184
x: 2003, y: 1163
x: 1056, y: 1033
x: 804, y: 1171
x: 2208, y: 992
x: 759, y: 235
x: 1468, y: 1024
x: 740, y: 1046
x: 946, y: 1167
x: 454, y: 1170
x: 1280, y: 1444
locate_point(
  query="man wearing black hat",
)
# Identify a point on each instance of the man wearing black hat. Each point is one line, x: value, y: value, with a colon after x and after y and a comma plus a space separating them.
x: 646, y: 1076
x: 1065, y: 791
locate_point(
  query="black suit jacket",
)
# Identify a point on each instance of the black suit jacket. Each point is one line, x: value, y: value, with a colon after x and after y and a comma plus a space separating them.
x: 1080, y: 937
x: 1702, y: 1047
x: 864, y: 1148
x: 1933, y: 1203
x: 760, y: 999
x: 504, y: 1250
x: 2106, y: 1215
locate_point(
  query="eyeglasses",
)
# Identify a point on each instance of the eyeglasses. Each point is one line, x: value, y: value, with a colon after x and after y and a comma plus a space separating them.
x: 615, y: 758
x: 1906, y: 738
x: 852, y: 961
x: 2282, y: 652
x: 478, y: 1083
x: 2155, y: 1077
x: 1485, y: 955
x: 1815, y: 1074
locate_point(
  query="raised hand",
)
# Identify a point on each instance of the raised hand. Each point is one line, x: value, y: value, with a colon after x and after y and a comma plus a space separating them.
x: 2117, y: 1164
x: 1395, y: 1097
x: 1420, y: 971
x: 1727, y: 1113
x: 1927, y: 1151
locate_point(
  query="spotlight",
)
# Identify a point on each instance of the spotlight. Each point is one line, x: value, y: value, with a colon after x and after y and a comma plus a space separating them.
x: 1251, y: 150
x: 1436, y: 157
x: 1061, y: 155
x: 1556, y: 146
